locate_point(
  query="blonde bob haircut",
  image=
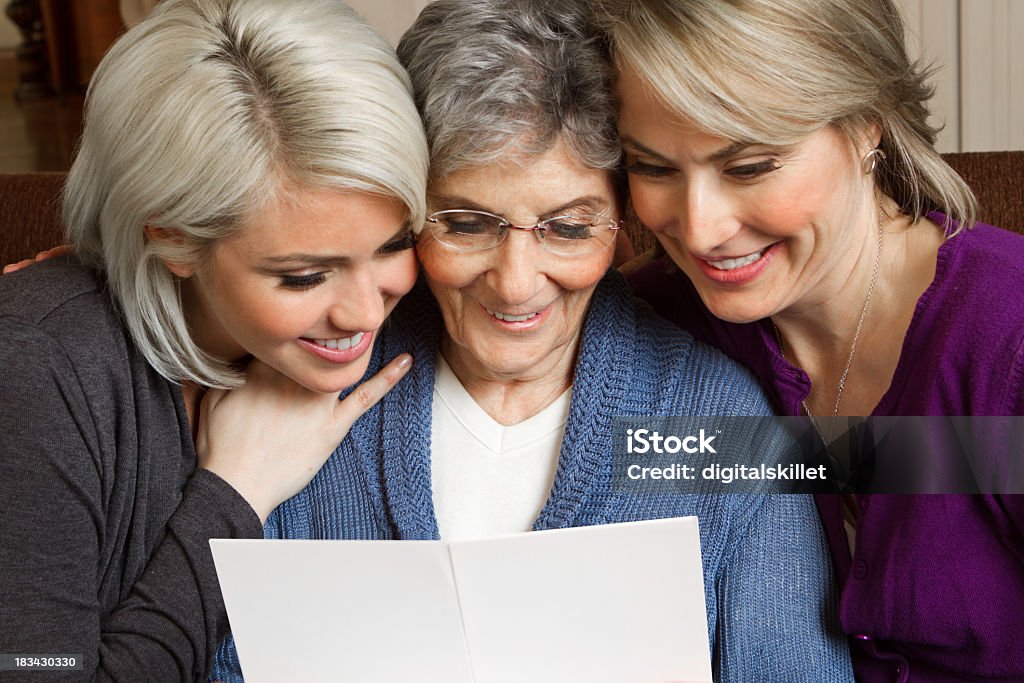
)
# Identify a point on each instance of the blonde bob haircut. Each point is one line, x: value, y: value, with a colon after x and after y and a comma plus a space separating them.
x: 775, y: 71
x: 208, y: 111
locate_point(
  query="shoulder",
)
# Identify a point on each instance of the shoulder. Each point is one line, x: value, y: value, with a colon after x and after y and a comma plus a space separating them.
x: 671, y: 294
x: 58, y: 325
x: 414, y: 327
x: 996, y: 251
x: 60, y: 289
x: 979, y: 284
x: 697, y: 378
x: 967, y: 336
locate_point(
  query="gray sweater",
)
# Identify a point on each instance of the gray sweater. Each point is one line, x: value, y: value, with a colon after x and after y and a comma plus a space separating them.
x: 104, y: 519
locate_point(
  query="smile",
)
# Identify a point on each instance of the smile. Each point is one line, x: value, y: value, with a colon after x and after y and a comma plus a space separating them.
x: 343, y: 344
x: 509, y: 318
x: 738, y: 271
x: 339, y: 351
x: 734, y: 263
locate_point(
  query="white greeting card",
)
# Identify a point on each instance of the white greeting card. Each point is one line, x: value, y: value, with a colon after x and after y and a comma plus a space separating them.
x: 620, y: 603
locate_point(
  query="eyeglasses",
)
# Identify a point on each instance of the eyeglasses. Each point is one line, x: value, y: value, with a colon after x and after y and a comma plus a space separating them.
x: 464, y: 230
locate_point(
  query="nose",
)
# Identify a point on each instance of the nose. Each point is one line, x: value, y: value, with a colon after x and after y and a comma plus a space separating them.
x: 516, y: 272
x: 359, y: 302
x: 705, y: 217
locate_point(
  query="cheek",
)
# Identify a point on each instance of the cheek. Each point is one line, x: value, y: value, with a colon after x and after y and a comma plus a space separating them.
x: 275, y: 318
x: 254, y: 312
x: 446, y: 272
x: 794, y: 211
x: 582, y: 274
x: 652, y: 205
x: 399, y: 273
x: 445, y: 276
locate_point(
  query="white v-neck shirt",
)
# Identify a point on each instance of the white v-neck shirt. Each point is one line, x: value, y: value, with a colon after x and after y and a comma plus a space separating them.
x: 489, y: 479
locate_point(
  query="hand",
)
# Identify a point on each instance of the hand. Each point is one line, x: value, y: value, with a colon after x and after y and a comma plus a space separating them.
x: 270, y: 437
x: 41, y: 256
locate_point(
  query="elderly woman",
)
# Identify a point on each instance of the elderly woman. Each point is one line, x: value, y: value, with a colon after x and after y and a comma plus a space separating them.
x: 526, y: 348
x: 244, y: 189
x: 779, y: 149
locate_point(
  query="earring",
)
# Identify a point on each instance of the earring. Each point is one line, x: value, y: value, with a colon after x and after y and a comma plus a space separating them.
x: 870, y: 161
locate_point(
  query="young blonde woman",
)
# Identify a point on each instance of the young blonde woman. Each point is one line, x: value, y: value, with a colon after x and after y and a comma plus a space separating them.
x: 240, y: 211
x: 780, y: 151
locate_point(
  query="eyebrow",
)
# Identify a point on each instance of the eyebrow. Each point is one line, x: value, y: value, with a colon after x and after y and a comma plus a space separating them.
x: 627, y: 141
x: 455, y: 201
x: 332, y: 261
x: 724, y: 153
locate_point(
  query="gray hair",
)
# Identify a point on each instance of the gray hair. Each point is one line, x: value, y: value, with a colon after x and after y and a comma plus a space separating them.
x: 501, y: 79
x: 211, y: 109
x: 774, y: 71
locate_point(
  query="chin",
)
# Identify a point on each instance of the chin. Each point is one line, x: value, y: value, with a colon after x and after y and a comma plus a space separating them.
x: 512, y: 369
x: 332, y: 381
x: 736, y: 311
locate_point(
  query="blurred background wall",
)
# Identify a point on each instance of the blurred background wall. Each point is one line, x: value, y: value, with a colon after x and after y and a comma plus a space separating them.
x: 974, y: 44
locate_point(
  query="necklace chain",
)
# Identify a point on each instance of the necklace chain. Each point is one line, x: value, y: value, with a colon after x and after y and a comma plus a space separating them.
x: 853, y: 345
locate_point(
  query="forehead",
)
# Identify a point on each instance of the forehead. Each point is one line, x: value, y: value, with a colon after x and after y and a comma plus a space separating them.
x: 530, y: 187
x: 326, y: 222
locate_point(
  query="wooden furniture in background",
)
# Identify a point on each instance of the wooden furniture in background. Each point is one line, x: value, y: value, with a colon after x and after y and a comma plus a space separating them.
x: 30, y: 54
x: 78, y: 32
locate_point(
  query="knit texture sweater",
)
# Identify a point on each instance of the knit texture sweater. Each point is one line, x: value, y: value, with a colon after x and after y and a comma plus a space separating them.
x: 770, y: 606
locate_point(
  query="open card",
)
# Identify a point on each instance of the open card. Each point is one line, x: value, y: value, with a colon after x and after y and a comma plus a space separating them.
x: 620, y: 603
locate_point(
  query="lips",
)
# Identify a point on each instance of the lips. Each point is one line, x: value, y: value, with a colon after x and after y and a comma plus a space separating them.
x: 517, y: 322
x: 509, y: 317
x: 339, y: 350
x: 737, y: 270
x: 734, y: 263
x: 342, y: 344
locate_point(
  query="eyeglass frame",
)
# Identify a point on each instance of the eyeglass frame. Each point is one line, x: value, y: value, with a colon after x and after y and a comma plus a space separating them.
x: 505, y: 224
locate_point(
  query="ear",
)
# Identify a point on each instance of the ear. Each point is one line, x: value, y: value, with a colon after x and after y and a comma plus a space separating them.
x: 171, y: 237
x: 870, y: 137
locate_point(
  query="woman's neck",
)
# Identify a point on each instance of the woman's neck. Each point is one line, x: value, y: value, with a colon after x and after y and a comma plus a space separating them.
x: 192, y: 394
x: 818, y: 338
x: 511, y: 399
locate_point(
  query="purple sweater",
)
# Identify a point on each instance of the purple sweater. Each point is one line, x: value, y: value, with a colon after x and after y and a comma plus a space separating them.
x: 935, y: 588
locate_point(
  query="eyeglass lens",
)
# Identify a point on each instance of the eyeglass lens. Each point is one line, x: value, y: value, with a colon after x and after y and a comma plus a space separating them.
x: 473, y: 230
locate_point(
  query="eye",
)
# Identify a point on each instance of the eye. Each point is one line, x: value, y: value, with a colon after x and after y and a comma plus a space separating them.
x: 469, y: 223
x: 402, y: 242
x: 303, y: 282
x: 567, y: 228
x: 753, y: 171
x: 465, y: 227
x: 641, y: 168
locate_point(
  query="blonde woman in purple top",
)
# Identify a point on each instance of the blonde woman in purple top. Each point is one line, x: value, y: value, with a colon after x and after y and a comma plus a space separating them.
x: 780, y: 151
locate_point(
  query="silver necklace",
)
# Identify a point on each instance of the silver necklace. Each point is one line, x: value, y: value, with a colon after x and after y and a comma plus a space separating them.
x: 853, y: 346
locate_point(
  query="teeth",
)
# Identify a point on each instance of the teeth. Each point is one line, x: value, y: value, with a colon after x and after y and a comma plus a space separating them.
x: 341, y: 344
x: 511, y: 318
x: 733, y: 263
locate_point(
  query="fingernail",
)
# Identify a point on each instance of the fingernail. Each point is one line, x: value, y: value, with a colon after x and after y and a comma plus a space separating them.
x: 404, y: 361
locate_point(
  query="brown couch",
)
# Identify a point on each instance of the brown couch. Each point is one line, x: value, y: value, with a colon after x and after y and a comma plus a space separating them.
x: 30, y: 202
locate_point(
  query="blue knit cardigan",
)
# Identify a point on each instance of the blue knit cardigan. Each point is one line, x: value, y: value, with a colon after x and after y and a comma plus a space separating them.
x: 770, y: 603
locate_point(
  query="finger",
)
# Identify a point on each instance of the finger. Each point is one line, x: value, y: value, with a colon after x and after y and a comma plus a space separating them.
x: 367, y: 394
x: 12, y: 267
x: 52, y: 252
